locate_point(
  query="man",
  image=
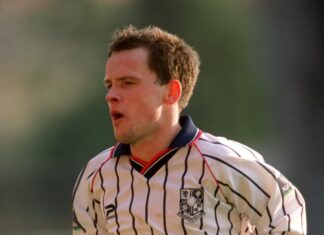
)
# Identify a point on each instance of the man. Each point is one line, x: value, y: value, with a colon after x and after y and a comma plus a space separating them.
x: 164, y: 175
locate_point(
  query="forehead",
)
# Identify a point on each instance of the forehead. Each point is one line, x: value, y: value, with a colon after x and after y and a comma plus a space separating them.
x: 121, y: 63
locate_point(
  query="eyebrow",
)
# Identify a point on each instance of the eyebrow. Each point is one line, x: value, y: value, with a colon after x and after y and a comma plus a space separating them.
x: 106, y: 80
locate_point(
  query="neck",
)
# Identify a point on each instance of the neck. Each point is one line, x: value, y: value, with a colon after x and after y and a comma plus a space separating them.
x: 149, y: 147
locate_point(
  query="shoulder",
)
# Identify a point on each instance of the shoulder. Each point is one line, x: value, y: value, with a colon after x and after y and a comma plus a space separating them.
x: 237, y: 167
x: 234, y: 163
x: 88, y: 171
x: 95, y: 162
x: 222, y: 147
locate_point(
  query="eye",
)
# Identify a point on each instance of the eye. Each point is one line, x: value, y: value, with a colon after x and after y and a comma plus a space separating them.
x: 128, y: 82
x: 108, y: 85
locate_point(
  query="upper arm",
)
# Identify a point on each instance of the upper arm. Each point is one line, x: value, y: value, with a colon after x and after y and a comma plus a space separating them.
x: 87, y: 216
x: 272, y: 203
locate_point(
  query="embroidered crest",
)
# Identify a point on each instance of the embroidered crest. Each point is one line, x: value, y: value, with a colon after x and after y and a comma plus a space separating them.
x: 191, y: 204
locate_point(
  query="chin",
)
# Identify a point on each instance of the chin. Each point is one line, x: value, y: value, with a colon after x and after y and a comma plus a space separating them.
x: 122, y: 139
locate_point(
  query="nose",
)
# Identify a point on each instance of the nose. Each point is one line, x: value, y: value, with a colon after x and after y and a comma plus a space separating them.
x: 112, y: 95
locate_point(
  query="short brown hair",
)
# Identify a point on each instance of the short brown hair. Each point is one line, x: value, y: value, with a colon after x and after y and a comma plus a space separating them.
x: 170, y: 57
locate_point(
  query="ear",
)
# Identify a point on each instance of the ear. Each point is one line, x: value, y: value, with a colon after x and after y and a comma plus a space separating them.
x: 174, y: 90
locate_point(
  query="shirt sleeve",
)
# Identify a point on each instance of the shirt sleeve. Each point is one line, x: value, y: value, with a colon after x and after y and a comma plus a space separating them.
x: 285, y: 211
x: 271, y: 203
x: 86, y: 213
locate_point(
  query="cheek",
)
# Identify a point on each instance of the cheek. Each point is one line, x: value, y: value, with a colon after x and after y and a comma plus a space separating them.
x: 144, y: 102
x: 148, y: 100
x: 155, y: 97
x: 146, y: 109
x: 142, y: 108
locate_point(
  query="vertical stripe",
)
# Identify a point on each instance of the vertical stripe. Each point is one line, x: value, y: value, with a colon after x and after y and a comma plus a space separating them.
x: 283, y: 208
x: 209, y: 169
x: 147, y: 202
x: 270, y: 220
x: 218, y: 203
x: 116, y: 202
x: 96, y: 172
x: 289, y: 221
x: 216, y: 220
x: 282, y: 196
x: 200, y: 180
x: 216, y: 191
x: 229, y: 219
x: 183, y: 182
x: 131, y: 202
x: 164, y: 198
x: 101, y: 179
x: 95, y: 221
x: 103, y: 189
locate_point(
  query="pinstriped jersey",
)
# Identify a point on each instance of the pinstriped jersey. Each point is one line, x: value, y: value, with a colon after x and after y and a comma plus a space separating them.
x: 201, y: 184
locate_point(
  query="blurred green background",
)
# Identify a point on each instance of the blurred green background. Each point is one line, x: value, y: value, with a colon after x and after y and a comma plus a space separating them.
x: 261, y: 83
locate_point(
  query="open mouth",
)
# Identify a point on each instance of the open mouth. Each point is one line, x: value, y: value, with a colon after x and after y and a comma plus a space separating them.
x: 115, y: 115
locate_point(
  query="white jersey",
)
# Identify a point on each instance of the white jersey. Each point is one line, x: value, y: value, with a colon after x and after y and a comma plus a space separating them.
x: 201, y: 184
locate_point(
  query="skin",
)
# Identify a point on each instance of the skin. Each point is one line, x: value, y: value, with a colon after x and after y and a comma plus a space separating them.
x: 144, y: 113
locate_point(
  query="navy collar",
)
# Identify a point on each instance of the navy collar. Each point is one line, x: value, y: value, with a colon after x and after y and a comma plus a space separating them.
x: 186, y: 135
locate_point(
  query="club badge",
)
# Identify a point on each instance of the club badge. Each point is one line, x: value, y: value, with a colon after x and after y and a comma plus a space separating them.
x: 191, y: 204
